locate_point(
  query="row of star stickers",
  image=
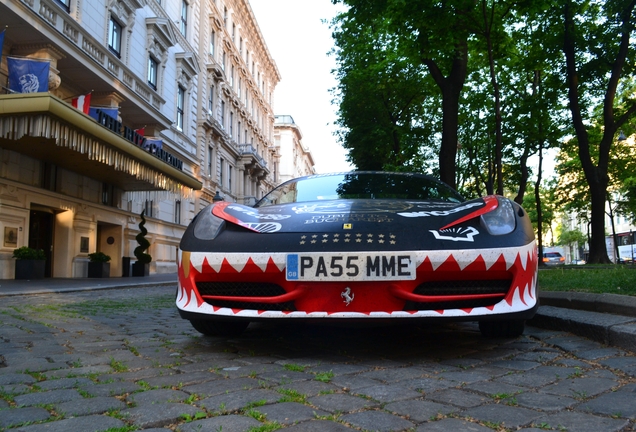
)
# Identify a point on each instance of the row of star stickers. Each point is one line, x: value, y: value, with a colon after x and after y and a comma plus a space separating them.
x: 347, y: 238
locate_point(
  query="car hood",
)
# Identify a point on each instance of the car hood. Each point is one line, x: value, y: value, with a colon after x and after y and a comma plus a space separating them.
x: 359, y: 215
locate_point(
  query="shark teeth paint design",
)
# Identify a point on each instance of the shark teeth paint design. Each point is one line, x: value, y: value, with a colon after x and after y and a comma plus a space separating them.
x: 521, y: 297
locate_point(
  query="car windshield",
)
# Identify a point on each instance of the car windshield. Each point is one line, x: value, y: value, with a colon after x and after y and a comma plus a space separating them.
x: 361, y: 185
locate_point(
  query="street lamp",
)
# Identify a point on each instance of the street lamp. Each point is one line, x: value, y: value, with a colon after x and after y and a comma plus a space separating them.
x: 217, y: 197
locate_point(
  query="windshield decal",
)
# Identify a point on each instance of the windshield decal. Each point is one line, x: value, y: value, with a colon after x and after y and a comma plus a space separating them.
x: 442, y: 212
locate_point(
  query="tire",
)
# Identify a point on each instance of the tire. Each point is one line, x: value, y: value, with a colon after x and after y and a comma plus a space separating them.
x: 505, y: 328
x: 219, y: 328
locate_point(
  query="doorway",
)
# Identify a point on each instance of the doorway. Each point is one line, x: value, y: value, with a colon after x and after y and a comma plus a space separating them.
x: 41, y: 225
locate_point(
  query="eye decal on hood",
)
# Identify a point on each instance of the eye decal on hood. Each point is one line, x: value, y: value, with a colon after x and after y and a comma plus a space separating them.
x: 456, y: 234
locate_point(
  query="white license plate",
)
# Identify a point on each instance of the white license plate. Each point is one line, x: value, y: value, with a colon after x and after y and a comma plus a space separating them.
x: 350, y: 267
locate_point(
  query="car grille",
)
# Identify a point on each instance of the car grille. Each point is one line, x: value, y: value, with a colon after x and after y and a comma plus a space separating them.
x: 244, y: 289
x: 459, y: 288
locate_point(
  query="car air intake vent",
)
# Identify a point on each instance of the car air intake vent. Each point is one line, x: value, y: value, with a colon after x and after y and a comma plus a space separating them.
x: 464, y: 288
x: 244, y: 289
x: 240, y: 289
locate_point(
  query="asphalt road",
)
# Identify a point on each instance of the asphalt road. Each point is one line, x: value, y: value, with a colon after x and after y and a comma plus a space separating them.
x: 122, y: 359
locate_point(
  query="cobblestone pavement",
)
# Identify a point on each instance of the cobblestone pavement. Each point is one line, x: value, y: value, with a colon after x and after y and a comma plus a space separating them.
x: 122, y: 360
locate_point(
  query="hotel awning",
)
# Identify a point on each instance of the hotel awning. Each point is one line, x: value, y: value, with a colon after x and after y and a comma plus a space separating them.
x: 44, y: 127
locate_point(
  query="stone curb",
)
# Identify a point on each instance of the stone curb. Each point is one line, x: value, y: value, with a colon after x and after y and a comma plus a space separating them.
x: 606, y: 318
x: 606, y: 303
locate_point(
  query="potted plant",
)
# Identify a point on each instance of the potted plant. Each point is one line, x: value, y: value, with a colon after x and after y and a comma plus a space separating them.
x: 29, y: 263
x: 142, y: 266
x: 99, y: 265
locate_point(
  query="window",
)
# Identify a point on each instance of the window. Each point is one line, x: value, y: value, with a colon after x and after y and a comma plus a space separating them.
x: 184, y: 17
x: 222, y: 119
x: 210, y: 159
x: 211, y: 101
x: 107, y: 194
x: 148, y: 208
x: 66, y: 4
x: 231, y: 129
x: 223, y: 61
x: 221, y: 163
x: 177, y: 212
x: 233, y: 32
x: 114, y: 36
x: 225, y: 17
x: 180, y: 105
x: 238, y: 131
x: 232, y: 77
x: 229, y: 177
x: 152, y: 72
x: 212, y: 41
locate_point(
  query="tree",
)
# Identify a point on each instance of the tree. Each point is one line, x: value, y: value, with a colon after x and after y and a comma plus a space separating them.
x: 432, y: 35
x: 599, y: 48
x: 380, y: 95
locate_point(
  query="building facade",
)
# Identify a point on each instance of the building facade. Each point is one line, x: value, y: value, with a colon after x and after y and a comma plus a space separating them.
x: 295, y: 158
x: 181, y: 96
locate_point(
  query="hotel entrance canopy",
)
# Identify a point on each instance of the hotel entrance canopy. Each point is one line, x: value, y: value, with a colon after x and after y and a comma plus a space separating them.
x: 44, y: 127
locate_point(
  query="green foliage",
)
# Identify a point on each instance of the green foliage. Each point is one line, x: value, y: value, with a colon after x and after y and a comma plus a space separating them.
x: 570, y: 237
x: 614, y: 279
x: 98, y: 257
x: 144, y: 244
x: 27, y: 253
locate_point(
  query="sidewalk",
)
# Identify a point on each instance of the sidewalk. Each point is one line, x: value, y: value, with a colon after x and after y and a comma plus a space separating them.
x: 11, y: 287
x: 606, y: 318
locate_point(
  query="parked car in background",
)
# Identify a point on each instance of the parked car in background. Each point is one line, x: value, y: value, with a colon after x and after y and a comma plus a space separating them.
x: 553, y: 259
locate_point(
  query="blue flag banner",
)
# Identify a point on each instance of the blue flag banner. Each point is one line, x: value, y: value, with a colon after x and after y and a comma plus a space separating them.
x: 95, y: 112
x: 152, y: 145
x: 1, y: 43
x: 28, y: 75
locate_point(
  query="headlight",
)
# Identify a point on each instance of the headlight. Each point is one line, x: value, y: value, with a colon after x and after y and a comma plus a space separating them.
x: 501, y: 220
x: 207, y: 226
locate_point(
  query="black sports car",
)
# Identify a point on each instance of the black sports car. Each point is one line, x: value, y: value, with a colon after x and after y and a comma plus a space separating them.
x: 360, y: 246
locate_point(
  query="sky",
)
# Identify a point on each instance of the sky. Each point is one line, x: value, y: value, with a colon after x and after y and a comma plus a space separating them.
x: 299, y: 41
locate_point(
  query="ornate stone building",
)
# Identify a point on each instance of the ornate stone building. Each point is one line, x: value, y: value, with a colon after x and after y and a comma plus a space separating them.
x: 295, y: 157
x: 182, y: 94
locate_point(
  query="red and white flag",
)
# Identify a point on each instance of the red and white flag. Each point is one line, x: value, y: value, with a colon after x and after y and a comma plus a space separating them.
x: 82, y: 103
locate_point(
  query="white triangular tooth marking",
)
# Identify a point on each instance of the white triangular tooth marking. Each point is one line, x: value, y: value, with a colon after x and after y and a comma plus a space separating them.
x: 196, y: 260
x: 466, y: 257
x: 510, y: 256
x: 260, y: 260
x: 524, y: 258
x: 215, y: 261
x: 490, y: 257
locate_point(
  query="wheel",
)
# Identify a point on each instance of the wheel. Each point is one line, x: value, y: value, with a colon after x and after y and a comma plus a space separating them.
x: 219, y: 328
x: 505, y: 328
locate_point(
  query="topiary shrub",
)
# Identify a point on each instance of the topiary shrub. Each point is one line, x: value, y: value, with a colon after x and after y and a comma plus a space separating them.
x: 144, y: 244
x: 99, y: 257
x: 27, y: 253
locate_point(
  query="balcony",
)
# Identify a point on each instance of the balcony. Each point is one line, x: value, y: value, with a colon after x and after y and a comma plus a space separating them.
x: 254, y: 163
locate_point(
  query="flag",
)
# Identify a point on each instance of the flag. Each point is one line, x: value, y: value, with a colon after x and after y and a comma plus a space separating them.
x: 141, y: 131
x: 152, y: 145
x: 82, y: 103
x: 1, y: 43
x: 110, y: 112
x: 28, y: 75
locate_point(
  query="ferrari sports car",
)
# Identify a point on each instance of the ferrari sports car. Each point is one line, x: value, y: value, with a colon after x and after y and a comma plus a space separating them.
x: 360, y: 246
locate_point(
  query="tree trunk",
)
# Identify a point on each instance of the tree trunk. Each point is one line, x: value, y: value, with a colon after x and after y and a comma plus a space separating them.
x: 451, y: 89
